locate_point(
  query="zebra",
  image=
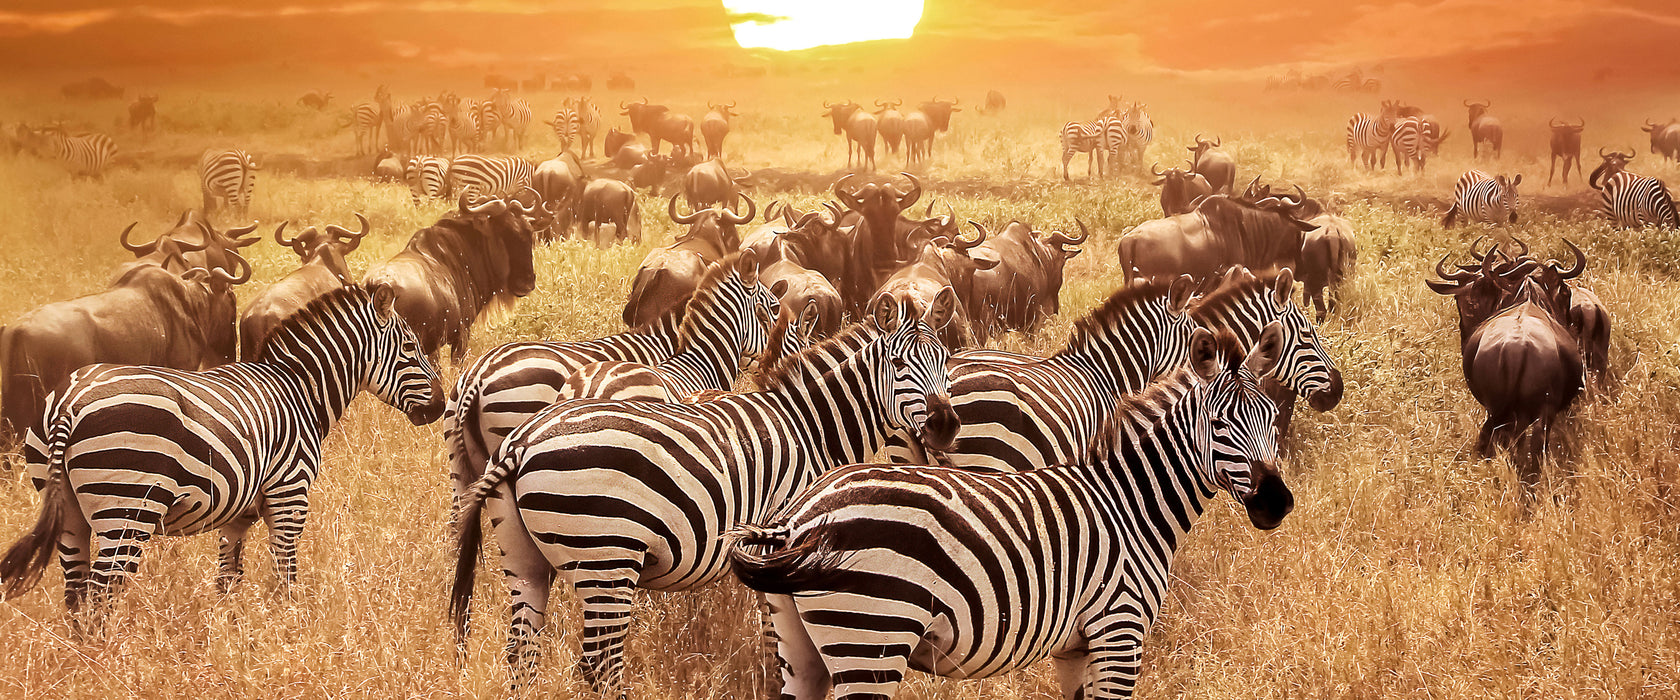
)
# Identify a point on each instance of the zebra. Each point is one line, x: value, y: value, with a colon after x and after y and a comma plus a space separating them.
x: 1085, y: 138
x: 432, y: 128
x: 513, y: 114
x: 365, y: 117
x: 489, y: 176
x: 589, y: 123
x: 1021, y: 412
x: 565, y: 125
x: 227, y: 177
x: 1410, y: 144
x: 1479, y: 196
x: 133, y: 452
x: 678, y: 475
x: 727, y: 319
x: 489, y: 122
x: 1137, y: 132
x: 1629, y: 200
x: 876, y: 569
x: 84, y: 154
x: 427, y: 177
x: 400, y: 129
x: 463, y: 126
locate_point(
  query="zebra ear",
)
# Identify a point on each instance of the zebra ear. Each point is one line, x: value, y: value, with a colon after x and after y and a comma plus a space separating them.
x: 384, y: 301
x: 1204, y: 354
x: 943, y: 309
x: 1516, y: 180
x: 1284, y: 289
x: 779, y: 287
x: 886, y: 313
x: 808, y: 321
x: 1266, y: 353
x: 746, y: 267
x: 1178, y: 295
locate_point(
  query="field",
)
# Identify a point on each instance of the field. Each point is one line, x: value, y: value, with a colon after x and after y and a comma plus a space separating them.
x: 1408, y: 569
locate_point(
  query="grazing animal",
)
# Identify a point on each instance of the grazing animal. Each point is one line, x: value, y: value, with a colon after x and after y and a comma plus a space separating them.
x: 513, y: 114
x: 659, y: 124
x: 1480, y: 197
x: 994, y: 102
x: 1082, y: 137
x: 1368, y: 135
x: 142, y: 113
x: 1221, y: 232
x: 588, y: 125
x: 1665, y: 138
x: 1181, y: 190
x: 227, y: 178
x: 878, y: 569
x: 944, y: 267
x: 714, y: 127
x: 1024, y: 289
x: 316, y: 99
x: 1410, y: 142
x: 938, y: 113
x: 450, y: 271
x: 918, y: 138
x: 797, y: 287
x: 1128, y: 136
x: 606, y: 201
x: 678, y: 476
x: 1217, y: 166
x: 877, y: 251
x: 367, y: 119
x: 859, y: 126
x: 1566, y: 145
x: 85, y: 155
x: 669, y: 275
x: 1484, y: 129
x: 323, y: 269
x: 559, y: 183
x: 564, y: 124
x: 1629, y: 200
x: 427, y: 177
x: 209, y: 450
x: 489, y: 176
x: 1328, y: 254
x: 889, y: 123
x: 709, y: 183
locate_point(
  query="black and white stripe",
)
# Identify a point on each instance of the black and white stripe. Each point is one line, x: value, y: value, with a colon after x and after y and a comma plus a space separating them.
x: 1636, y: 201
x: 1367, y: 138
x: 1083, y: 137
x: 1480, y: 197
x: 878, y: 569
x: 620, y: 495
x: 84, y: 154
x: 588, y: 125
x: 427, y: 178
x: 489, y: 176
x: 227, y: 178
x: 134, y: 452
x: 1410, y: 145
x: 565, y: 125
x: 366, y: 120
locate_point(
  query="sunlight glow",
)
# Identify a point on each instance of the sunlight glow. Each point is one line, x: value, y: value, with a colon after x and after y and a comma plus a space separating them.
x: 790, y: 25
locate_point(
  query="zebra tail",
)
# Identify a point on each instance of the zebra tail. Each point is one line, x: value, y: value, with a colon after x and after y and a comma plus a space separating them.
x: 1452, y: 213
x: 24, y: 562
x: 784, y: 567
x: 469, y: 538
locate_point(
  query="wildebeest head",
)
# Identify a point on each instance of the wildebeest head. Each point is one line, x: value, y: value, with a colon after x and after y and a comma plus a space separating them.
x: 1180, y: 189
x: 642, y: 115
x: 222, y: 313
x: 939, y: 112
x: 1477, y: 109
x: 164, y: 250
x: 841, y: 113
x: 1554, y: 277
x: 328, y: 249
x: 1566, y: 138
x: 507, y: 226
x: 1202, y: 146
x: 1060, y: 248
x: 722, y: 111
x: 718, y: 224
x: 1479, y: 293
x: 1614, y: 162
x: 958, y: 259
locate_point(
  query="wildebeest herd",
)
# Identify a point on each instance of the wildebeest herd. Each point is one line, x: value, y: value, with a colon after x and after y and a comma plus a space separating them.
x: 884, y: 460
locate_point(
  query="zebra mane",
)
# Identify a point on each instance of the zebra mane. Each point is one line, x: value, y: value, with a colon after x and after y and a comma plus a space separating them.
x: 1102, y: 319
x: 1144, y: 408
x: 1232, y: 294
x: 316, y: 308
x: 799, y: 367
x: 704, y: 293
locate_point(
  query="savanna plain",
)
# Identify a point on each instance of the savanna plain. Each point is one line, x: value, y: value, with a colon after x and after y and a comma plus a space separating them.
x: 1408, y: 568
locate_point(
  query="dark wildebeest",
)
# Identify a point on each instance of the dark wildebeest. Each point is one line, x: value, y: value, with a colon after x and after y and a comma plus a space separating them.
x: 709, y: 183
x: 942, y: 266
x: 918, y: 138
x: 450, y: 271
x: 1566, y: 144
x: 1221, y: 232
x: 149, y: 316
x: 558, y: 183
x: 799, y: 288
x: 323, y: 269
x: 1520, y: 362
x: 715, y: 126
x: 142, y: 113
x: 939, y: 113
x: 620, y: 81
x: 1209, y: 161
x: 606, y: 201
x: 1583, y: 313
x: 994, y: 102
x: 1484, y: 128
x: 1024, y: 289
x: 1328, y: 255
x: 877, y: 251
x: 1180, y: 189
x: 668, y: 276
x: 614, y: 141
x: 201, y: 245
x: 1665, y: 138
x: 890, y: 123
x: 859, y: 126
x: 315, y: 99
x: 660, y: 124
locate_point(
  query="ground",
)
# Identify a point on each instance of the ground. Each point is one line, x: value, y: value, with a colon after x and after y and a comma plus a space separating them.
x: 1407, y: 569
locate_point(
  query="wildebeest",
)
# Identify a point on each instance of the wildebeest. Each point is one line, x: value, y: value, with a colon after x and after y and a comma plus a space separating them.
x: 1580, y: 310
x: 918, y: 138
x: 1665, y: 138
x: 323, y: 269
x: 315, y: 99
x: 796, y: 287
x: 943, y: 266
x: 1221, y: 232
x: 715, y: 126
x: 1180, y: 189
x: 149, y: 316
x: 558, y: 182
x: 1328, y: 255
x: 620, y: 81
x: 450, y: 271
x: 859, y: 127
x: 668, y: 276
x: 1024, y: 288
x: 615, y: 140
x: 607, y: 201
x: 889, y: 123
x: 1520, y: 362
x: 1208, y: 161
x: 1484, y: 128
x: 1566, y: 144
x: 709, y: 183
x: 876, y: 251
x: 142, y: 113
x: 660, y: 124
x: 994, y: 102
x: 201, y: 245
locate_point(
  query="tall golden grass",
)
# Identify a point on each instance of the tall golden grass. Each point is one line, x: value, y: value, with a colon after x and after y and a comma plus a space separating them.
x: 1408, y: 569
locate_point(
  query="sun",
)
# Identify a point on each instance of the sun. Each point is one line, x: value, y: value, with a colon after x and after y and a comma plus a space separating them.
x: 790, y: 25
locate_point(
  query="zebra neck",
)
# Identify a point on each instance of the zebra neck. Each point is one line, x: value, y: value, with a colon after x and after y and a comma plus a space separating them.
x: 329, y: 379
x: 840, y: 410
x: 1155, y: 478
x: 707, y: 357
x: 1121, y: 358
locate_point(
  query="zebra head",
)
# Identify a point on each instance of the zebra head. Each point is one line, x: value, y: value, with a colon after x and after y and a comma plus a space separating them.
x: 1178, y: 327
x: 1505, y: 204
x: 1305, y: 366
x: 397, y: 371
x: 755, y: 308
x: 1242, y: 440
x: 914, y: 369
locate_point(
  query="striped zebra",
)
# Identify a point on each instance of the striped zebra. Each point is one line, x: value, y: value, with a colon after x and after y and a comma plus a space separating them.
x: 366, y: 120
x: 878, y: 569
x: 565, y: 125
x: 400, y: 129
x: 1021, y: 412
x: 463, y: 127
x: 619, y: 495
x: 432, y: 129
x: 589, y: 124
x: 489, y: 121
x: 427, y: 178
x: 1413, y: 140
x: 1629, y: 200
x: 134, y: 452
x: 1085, y: 138
x: 227, y: 178
x: 1136, y: 131
x: 1113, y: 129
x: 84, y: 154
x: 1480, y: 197
x: 489, y: 176
x: 514, y: 115
x: 728, y: 319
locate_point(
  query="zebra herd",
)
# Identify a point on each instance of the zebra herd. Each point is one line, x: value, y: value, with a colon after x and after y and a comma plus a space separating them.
x: 1116, y: 138
x: 446, y: 124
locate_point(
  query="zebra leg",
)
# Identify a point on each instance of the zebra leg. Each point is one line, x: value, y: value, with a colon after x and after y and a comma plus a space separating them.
x: 75, y: 547
x: 863, y: 663
x: 1070, y: 674
x: 607, y: 588
x: 804, y: 677
x: 284, y: 513
x: 231, y: 555
x: 530, y: 576
x: 117, y: 538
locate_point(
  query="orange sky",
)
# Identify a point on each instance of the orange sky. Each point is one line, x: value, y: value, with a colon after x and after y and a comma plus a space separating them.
x: 1535, y: 40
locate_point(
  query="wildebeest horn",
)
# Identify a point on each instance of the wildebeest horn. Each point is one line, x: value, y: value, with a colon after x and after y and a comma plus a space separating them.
x: 1580, y: 263
x: 961, y: 243
x: 241, y: 231
x: 1514, y: 275
x: 1155, y: 169
x: 1218, y: 140
x: 1554, y: 123
x: 806, y: 220
x: 138, y: 250
x: 280, y: 236
x: 679, y: 218
x: 1060, y: 238
x: 737, y: 219
x: 827, y: 105
x: 835, y: 214
x: 1479, y: 254
x: 244, y: 276
x: 1451, y: 275
x: 1520, y: 244
x: 341, y: 232
x: 490, y: 206
x: 1583, y: 123
x: 849, y: 198
x: 909, y: 197
x: 1198, y: 139
x: 1253, y: 187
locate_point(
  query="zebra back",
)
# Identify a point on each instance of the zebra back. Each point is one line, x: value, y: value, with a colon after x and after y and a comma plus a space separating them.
x: 227, y: 176
x: 489, y: 176
x: 1636, y: 201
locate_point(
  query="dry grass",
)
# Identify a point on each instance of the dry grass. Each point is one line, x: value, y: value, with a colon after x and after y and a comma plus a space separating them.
x: 1408, y: 569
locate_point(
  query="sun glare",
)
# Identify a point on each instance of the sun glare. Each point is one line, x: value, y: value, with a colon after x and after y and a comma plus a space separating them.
x: 790, y: 25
